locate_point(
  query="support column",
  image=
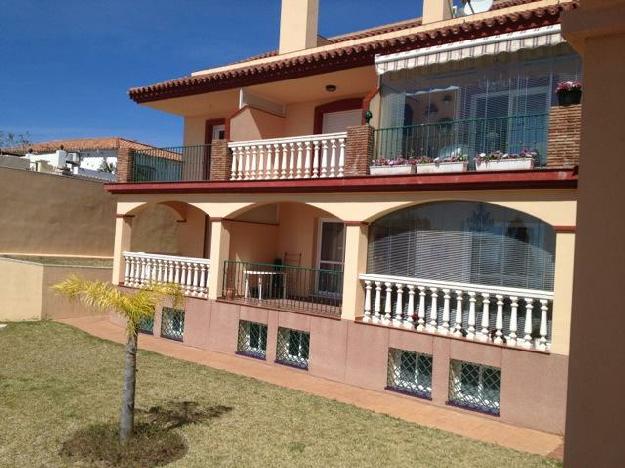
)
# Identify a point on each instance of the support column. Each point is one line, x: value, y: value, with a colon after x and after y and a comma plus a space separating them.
x: 563, y: 290
x: 123, y: 233
x: 219, y: 252
x: 355, y: 263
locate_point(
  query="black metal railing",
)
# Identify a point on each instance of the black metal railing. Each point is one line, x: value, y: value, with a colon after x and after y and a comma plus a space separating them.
x: 288, y: 287
x: 173, y: 164
x: 465, y: 138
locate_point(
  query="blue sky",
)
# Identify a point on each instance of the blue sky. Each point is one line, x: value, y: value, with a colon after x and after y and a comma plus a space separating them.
x: 66, y: 65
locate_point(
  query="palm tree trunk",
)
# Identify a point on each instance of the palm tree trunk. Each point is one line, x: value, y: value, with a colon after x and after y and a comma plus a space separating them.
x: 127, y: 418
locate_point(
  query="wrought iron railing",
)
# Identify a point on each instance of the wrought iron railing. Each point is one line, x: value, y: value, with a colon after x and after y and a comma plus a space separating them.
x: 172, y: 164
x: 288, y: 287
x: 466, y: 137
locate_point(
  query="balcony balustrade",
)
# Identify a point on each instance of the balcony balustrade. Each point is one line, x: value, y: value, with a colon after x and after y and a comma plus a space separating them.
x: 490, y: 314
x: 302, y: 157
x: 191, y: 274
x: 172, y: 164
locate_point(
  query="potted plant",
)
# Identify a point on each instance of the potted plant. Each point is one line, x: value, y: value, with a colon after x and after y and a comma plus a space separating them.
x: 454, y: 163
x: 500, y: 161
x: 569, y: 93
x: 396, y: 166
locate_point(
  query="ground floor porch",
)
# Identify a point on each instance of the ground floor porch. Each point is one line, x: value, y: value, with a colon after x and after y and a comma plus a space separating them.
x: 394, y: 404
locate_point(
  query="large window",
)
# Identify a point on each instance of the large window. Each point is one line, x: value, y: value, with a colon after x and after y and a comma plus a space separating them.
x: 466, y: 242
x: 474, y: 106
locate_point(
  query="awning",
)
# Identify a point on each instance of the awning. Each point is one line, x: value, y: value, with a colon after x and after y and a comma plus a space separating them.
x: 510, y: 42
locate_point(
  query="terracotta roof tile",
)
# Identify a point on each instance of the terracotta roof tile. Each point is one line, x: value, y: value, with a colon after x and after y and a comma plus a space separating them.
x: 77, y: 144
x: 353, y: 55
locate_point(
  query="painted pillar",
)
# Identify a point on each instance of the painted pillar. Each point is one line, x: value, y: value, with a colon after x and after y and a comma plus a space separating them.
x: 355, y: 263
x: 562, y: 291
x: 219, y: 252
x: 123, y: 233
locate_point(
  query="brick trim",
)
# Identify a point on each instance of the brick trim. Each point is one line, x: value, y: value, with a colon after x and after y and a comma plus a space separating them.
x: 124, y: 164
x: 358, y: 150
x: 221, y: 161
x: 564, y: 136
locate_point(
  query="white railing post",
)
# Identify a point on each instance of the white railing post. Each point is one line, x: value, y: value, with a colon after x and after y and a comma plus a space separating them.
x: 378, y: 300
x: 433, y: 310
x: 315, y: 164
x: 324, y: 158
x: 511, y: 339
x: 527, y: 339
x: 387, y: 302
x: 298, y: 164
x: 421, y: 311
x: 444, y: 327
x: 307, y: 159
x: 233, y: 167
x: 458, y: 323
x: 409, y: 321
x: 285, y: 161
x: 542, y: 342
x: 484, y: 332
x: 291, y: 172
x: 368, y: 288
x: 341, y: 156
x: 471, y: 320
x: 499, y: 321
x: 276, y: 161
x: 399, y: 305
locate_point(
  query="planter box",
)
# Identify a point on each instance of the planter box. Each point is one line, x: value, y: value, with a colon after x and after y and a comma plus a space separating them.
x: 570, y: 97
x: 392, y: 170
x: 434, y: 168
x: 505, y: 165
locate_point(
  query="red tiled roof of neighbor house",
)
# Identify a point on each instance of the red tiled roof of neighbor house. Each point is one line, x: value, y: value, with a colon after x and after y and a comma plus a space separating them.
x: 77, y: 144
x: 353, y: 54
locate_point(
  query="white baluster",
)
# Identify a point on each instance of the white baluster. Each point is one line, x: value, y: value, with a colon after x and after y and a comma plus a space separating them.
x: 276, y: 161
x: 315, y: 164
x: 285, y: 160
x: 387, y: 302
x: 233, y: 167
x: 421, y: 310
x: 368, y: 288
x: 248, y: 163
x: 170, y: 271
x: 196, y: 280
x: 260, y: 172
x: 332, y: 172
x: 511, y: 339
x: 189, y: 285
x: 126, y: 270
x: 458, y: 323
x: 378, y: 300
x: 542, y: 342
x: 268, y: 167
x: 471, y: 320
x: 399, y: 305
x: 307, y: 160
x: 527, y: 339
x: 499, y: 320
x: 324, y: 158
x: 154, y: 269
x: 409, y: 321
x: 253, y: 165
x: 291, y: 172
x: 131, y: 274
x: 203, y: 279
x: 341, y: 156
x: 433, y: 310
x: 444, y: 328
x: 298, y: 164
x: 183, y: 277
x: 240, y: 163
x: 177, y: 272
x: 483, y: 335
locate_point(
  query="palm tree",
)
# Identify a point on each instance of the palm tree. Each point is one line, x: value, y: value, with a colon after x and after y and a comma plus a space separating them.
x: 134, y: 307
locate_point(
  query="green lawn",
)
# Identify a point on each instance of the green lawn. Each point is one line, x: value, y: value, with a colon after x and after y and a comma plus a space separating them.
x: 56, y: 380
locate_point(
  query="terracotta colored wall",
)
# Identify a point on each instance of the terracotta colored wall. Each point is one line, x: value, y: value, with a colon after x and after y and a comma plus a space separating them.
x: 155, y: 229
x: 298, y: 231
x: 533, y: 388
x: 253, y: 242
x: 55, y: 215
x: 595, y: 423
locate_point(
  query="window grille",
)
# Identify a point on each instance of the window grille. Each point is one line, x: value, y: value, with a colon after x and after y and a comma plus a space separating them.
x: 293, y: 347
x: 146, y: 325
x: 410, y: 372
x: 475, y: 386
x: 252, y: 339
x: 172, y: 324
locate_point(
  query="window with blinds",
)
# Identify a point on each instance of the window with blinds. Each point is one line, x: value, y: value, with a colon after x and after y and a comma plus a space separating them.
x: 468, y: 242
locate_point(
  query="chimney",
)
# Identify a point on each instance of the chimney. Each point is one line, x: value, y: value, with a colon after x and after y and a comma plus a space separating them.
x: 436, y: 10
x: 298, y: 25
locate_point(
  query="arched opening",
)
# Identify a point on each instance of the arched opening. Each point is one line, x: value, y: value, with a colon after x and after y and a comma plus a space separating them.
x: 462, y: 241
x: 469, y: 269
x: 286, y: 255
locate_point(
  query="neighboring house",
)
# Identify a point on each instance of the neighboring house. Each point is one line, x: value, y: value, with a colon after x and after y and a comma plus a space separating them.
x: 307, y: 239
x: 87, y: 157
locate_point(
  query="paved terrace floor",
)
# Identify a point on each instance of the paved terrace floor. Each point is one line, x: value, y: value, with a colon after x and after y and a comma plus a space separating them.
x: 406, y: 408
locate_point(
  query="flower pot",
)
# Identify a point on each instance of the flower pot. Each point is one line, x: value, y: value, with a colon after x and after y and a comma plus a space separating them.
x: 437, y: 168
x: 517, y: 164
x: 392, y: 170
x: 569, y: 97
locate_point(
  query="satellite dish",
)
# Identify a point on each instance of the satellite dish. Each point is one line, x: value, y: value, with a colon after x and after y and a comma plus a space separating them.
x: 477, y: 6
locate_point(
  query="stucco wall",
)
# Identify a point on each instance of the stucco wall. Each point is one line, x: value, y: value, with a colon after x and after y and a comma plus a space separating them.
x: 26, y: 294
x: 255, y: 124
x: 54, y: 215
